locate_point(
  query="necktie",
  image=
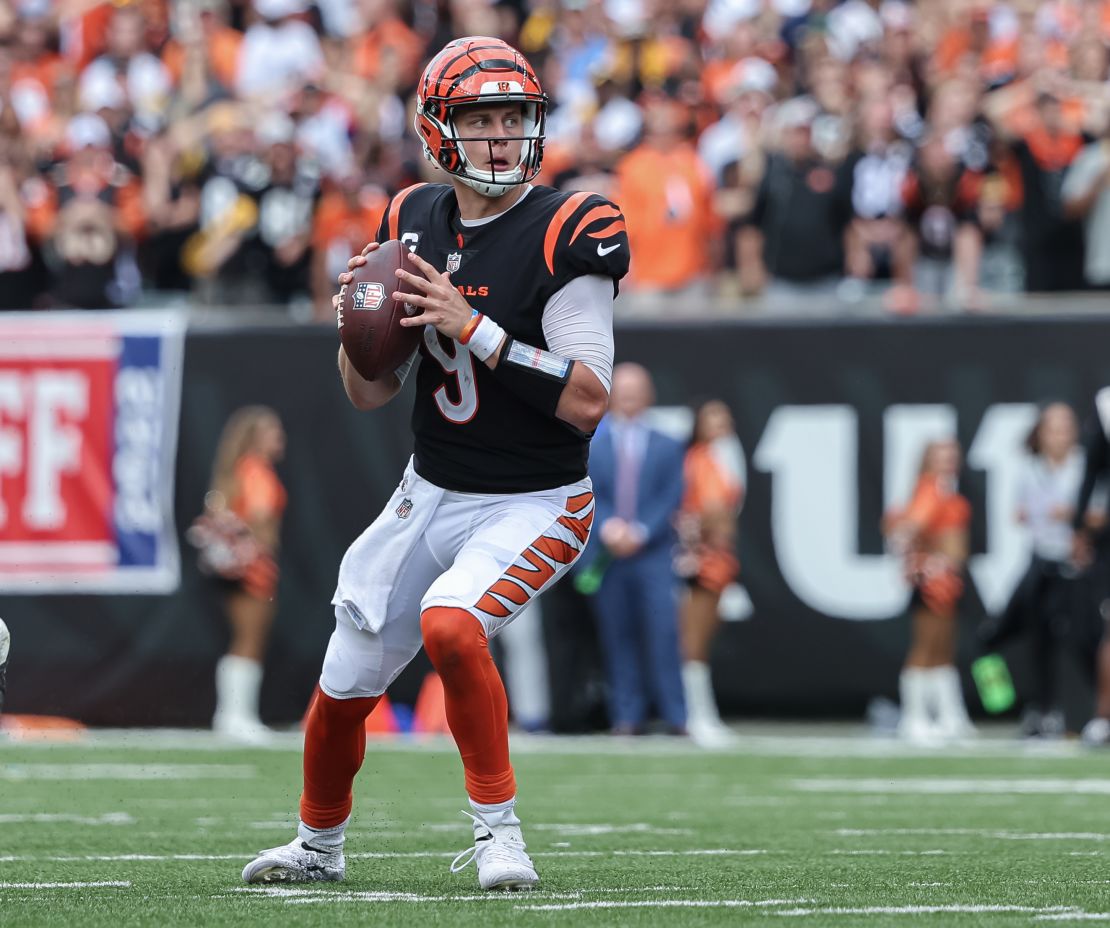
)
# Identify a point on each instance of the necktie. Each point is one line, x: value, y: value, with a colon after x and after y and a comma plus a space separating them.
x: 628, y: 471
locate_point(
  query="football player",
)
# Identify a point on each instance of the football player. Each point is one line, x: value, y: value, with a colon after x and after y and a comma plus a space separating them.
x: 514, y: 290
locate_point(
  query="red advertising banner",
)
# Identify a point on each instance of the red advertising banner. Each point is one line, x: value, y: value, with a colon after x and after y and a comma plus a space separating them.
x: 88, y: 434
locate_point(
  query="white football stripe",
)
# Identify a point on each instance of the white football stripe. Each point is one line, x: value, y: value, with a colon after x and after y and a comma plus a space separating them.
x: 603, y: 828
x: 380, y: 855
x: 108, y: 818
x: 946, y: 785
x: 114, y: 884
x: 978, y: 833
x: 937, y: 852
x: 793, y: 741
x: 127, y: 771
x: 954, y: 909
x: 664, y: 904
x: 308, y: 895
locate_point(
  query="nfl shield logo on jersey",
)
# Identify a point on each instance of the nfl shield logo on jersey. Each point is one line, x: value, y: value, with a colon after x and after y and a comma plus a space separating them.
x: 453, y: 261
x: 404, y: 509
x: 369, y: 295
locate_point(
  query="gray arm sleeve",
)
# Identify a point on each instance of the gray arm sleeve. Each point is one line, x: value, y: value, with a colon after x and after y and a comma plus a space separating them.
x: 578, y: 324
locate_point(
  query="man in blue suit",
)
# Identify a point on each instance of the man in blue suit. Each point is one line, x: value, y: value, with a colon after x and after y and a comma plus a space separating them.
x: 637, y: 477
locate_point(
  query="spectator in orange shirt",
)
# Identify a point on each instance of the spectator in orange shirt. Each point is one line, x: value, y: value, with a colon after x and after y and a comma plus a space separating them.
x: 237, y: 536
x: 37, y: 70
x: 204, y: 26
x: 666, y: 195
x: 932, y: 533
x: 342, y: 219
x: 84, y: 28
x: 386, y: 43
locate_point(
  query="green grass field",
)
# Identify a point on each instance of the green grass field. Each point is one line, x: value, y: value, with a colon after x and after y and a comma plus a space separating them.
x: 797, y: 826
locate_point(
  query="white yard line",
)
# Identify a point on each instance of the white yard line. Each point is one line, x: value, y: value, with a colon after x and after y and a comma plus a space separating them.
x: 379, y: 855
x: 128, y: 771
x: 952, y: 785
x: 977, y: 833
x: 98, y: 884
x: 754, y: 740
x: 561, y: 829
x: 547, y: 901
x: 569, y: 830
x: 663, y: 904
x: 298, y: 895
x: 954, y: 909
x: 37, y: 818
x: 844, y: 852
x: 114, y: 858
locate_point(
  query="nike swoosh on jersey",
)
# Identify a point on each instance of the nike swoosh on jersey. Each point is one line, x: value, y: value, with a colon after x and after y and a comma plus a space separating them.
x: 602, y: 251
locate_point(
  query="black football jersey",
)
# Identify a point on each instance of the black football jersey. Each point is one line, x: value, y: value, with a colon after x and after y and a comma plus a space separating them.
x: 472, y: 434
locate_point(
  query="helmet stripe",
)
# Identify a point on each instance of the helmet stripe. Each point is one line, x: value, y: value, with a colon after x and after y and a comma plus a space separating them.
x: 468, y: 53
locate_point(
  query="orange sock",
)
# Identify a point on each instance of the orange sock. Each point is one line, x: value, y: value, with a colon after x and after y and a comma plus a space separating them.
x: 477, y: 709
x: 334, y: 746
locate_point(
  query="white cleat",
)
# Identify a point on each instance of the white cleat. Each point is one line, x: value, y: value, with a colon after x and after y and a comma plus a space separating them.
x: 710, y: 734
x: 1096, y: 732
x: 957, y: 729
x: 296, y: 862
x: 920, y: 732
x: 499, y: 853
x: 241, y: 729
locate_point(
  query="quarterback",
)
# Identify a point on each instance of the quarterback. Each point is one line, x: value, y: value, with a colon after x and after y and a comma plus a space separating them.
x: 514, y: 290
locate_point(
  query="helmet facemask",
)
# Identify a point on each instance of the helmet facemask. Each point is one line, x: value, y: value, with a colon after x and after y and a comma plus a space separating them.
x: 494, y: 183
x: 454, y: 159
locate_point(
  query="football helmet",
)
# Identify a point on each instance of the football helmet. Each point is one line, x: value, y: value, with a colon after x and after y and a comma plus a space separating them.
x: 472, y: 70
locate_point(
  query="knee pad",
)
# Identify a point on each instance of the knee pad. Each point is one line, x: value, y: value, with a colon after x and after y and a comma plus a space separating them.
x: 450, y: 635
x: 354, y: 665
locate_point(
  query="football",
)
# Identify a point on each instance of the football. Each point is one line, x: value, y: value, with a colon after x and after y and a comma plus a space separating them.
x: 370, y: 319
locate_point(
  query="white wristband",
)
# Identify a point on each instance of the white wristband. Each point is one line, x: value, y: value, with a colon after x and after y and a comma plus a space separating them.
x: 482, y: 336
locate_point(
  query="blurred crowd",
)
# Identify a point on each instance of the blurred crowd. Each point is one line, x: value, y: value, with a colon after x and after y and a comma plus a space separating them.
x: 766, y: 152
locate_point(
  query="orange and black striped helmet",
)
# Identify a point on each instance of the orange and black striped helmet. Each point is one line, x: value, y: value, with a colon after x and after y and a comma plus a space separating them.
x: 479, y: 69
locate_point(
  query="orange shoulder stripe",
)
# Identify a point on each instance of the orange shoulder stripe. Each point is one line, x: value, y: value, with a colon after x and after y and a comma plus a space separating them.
x: 598, y: 212
x: 612, y: 229
x: 395, y: 208
x: 556, y: 226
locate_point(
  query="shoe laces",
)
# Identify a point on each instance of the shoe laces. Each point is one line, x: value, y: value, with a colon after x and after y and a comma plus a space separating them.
x: 491, y: 847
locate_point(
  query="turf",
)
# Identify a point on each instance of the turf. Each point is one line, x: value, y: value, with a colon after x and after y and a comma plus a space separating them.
x: 788, y: 828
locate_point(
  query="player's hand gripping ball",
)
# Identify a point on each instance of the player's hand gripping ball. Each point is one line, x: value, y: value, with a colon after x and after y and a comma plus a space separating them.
x: 369, y: 318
